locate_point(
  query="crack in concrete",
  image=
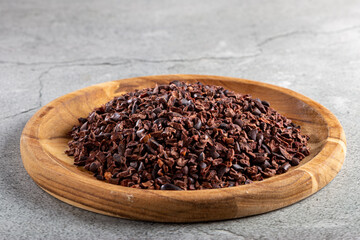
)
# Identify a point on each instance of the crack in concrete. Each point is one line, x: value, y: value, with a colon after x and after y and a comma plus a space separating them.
x: 283, y: 35
x: 339, y: 30
x: 209, y: 233
x: 122, y: 61
x: 198, y: 59
x: 41, y: 85
x: 289, y: 34
x: 76, y: 62
x: 39, y: 104
x: 17, y: 114
x: 205, y: 232
x: 231, y: 232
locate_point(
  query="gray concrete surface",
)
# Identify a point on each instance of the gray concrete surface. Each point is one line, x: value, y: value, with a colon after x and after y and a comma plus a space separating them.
x: 50, y: 48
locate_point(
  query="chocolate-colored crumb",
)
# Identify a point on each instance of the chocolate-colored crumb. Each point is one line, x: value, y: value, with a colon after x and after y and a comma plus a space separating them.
x: 185, y: 137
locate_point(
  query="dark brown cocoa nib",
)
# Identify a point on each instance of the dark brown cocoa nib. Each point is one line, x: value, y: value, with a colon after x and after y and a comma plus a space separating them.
x: 186, y: 137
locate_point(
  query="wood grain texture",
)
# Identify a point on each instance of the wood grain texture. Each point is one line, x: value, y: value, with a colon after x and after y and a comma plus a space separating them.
x: 44, y: 140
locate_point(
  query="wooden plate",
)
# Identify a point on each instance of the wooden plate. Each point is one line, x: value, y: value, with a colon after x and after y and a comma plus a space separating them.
x: 44, y: 140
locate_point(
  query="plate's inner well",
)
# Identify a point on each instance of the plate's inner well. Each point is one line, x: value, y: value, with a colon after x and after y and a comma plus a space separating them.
x: 55, y: 141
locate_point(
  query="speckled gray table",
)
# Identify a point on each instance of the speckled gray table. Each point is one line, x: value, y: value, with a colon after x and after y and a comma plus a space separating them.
x: 50, y: 48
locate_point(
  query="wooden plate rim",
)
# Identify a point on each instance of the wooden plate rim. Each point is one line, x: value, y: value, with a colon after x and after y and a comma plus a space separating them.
x: 29, y: 142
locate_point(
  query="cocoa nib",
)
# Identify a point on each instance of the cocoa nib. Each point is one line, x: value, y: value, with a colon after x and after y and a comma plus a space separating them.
x: 186, y: 137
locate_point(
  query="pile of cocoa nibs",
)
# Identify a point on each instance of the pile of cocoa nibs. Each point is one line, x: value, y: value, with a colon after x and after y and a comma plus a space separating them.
x: 186, y: 137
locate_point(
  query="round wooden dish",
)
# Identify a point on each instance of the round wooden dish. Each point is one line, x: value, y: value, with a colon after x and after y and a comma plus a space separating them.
x: 44, y: 140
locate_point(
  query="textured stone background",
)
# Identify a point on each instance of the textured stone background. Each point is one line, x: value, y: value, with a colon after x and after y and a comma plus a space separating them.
x: 50, y: 48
